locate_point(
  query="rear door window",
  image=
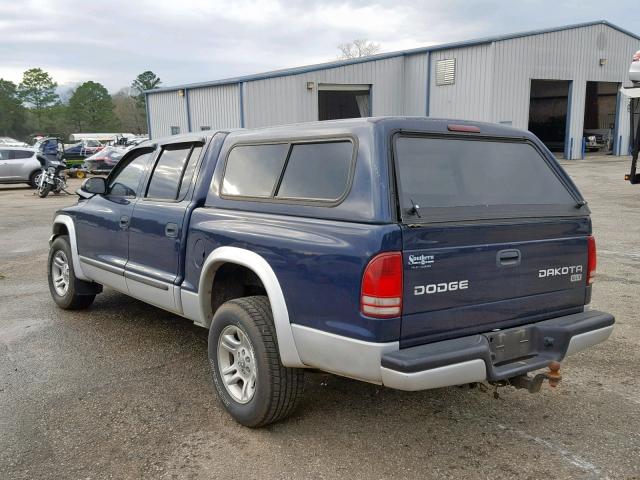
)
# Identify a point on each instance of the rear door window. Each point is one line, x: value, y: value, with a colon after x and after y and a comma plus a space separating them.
x: 453, y: 177
x: 168, y: 177
x: 317, y: 171
x: 21, y: 154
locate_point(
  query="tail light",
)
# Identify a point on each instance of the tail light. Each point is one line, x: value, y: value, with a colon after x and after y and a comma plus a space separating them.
x: 591, y: 262
x: 381, y: 293
x: 636, y: 57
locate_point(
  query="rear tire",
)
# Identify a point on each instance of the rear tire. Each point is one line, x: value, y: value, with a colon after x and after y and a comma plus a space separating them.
x: 254, y: 387
x: 63, y: 283
x: 33, y: 178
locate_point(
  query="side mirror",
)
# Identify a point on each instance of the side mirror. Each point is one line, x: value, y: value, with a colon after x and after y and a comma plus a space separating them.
x: 94, y: 185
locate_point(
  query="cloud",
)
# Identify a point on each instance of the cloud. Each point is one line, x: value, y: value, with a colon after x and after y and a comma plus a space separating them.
x: 197, y: 40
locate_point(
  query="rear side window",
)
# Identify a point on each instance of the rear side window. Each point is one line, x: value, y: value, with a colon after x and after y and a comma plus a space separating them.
x: 438, y: 173
x: 168, y: 177
x: 317, y: 171
x: 20, y: 154
x: 299, y: 171
x: 253, y: 170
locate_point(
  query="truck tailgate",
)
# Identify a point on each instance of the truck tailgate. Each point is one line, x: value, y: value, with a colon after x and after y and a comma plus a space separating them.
x: 510, y: 274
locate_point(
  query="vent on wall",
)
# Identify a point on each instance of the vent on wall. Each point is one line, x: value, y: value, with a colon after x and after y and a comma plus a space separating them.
x: 446, y: 71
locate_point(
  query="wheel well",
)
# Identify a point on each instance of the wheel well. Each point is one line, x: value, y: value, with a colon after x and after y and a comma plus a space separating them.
x: 60, y: 229
x: 234, y: 281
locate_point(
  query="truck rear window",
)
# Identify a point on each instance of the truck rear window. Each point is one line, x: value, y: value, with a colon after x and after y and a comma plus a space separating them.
x: 441, y: 178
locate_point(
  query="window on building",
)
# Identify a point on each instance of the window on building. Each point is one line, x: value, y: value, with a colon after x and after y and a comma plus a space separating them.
x: 253, y: 170
x: 343, y: 101
x: 167, y: 175
x: 318, y: 171
x: 175, y: 130
x: 446, y: 71
x: 204, y: 128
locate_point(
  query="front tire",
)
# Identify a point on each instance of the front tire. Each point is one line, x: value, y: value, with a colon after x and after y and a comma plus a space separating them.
x: 63, y: 283
x: 44, y: 191
x: 254, y: 387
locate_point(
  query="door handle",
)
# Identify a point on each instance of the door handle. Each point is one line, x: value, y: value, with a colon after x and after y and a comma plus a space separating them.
x: 171, y: 230
x: 508, y: 258
x: 124, y: 222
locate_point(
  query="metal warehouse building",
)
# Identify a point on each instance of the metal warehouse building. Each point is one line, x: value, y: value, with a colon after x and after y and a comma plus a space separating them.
x: 558, y: 83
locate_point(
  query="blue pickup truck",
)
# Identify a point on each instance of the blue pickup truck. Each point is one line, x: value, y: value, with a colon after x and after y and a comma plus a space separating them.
x: 413, y: 253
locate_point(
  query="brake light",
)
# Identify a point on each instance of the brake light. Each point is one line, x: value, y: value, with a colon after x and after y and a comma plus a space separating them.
x: 591, y: 262
x: 463, y: 128
x: 636, y: 57
x: 381, y: 293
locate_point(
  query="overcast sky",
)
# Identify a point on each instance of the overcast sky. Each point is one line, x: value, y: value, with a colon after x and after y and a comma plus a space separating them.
x: 185, y: 41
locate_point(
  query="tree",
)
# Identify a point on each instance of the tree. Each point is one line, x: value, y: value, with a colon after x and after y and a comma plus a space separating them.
x: 358, y: 48
x: 130, y: 118
x: 145, y: 81
x: 38, y: 91
x: 12, y: 113
x: 91, y: 108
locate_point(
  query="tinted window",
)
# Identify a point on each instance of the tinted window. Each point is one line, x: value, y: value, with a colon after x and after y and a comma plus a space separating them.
x: 20, y: 154
x: 188, y: 172
x: 253, y: 170
x: 436, y: 172
x: 4, y: 154
x: 126, y: 181
x: 167, y: 174
x: 317, y: 171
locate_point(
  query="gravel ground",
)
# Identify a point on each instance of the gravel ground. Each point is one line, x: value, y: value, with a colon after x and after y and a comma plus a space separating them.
x: 122, y: 390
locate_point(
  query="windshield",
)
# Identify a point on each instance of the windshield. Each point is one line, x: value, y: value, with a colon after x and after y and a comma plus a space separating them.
x: 476, y: 178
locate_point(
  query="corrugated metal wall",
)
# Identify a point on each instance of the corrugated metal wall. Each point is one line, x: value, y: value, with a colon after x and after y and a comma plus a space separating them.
x: 416, y: 71
x: 215, y: 107
x: 281, y: 100
x: 470, y: 96
x: 565, y: 55
x: 492, y: 84
x: 166, y: 110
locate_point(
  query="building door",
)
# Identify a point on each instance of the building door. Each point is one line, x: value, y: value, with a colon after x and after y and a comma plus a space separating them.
x: 548, y: 108
x: 343, y: 101
x: 600, y: 116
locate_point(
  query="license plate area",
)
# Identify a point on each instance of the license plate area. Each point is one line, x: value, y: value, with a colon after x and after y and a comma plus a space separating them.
x: 510, y: 345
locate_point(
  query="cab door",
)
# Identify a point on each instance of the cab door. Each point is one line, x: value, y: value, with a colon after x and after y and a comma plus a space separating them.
x: 103, y: 222
x: 156, y: 233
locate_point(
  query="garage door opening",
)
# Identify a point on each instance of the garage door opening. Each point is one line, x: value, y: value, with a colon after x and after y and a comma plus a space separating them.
x: 548, y: 107
x: 600, y: 116
x: 343, y: 101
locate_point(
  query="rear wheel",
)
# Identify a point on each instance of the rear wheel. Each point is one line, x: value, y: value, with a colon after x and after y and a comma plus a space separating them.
x: 254, y: 387
x: 34, y: 179
x: 63, y: 283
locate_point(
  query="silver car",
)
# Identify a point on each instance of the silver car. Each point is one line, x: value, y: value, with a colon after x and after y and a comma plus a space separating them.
x: 19, y: 165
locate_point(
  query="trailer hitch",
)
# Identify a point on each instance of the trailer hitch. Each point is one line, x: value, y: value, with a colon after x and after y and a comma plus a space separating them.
x: 533, y: 384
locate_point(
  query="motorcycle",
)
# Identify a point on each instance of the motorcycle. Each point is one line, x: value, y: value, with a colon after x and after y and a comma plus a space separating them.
x: 51, y: 179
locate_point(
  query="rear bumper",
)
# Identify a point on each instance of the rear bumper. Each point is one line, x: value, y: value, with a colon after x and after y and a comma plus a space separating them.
x: 491, y: 356
x: 496, y: 355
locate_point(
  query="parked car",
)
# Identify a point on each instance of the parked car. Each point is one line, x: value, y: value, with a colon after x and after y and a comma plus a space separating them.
x: 410, y: 252
x: 104, y: 160
x: 82, y: 149
x: 19, y: 165
x: 11, y: 142
x: 634, y: 69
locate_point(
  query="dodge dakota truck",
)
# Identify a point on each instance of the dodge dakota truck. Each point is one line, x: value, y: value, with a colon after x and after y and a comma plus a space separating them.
x: 413, y: 253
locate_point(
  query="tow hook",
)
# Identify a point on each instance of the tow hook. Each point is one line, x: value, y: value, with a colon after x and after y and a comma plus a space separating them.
x: 533, y: 384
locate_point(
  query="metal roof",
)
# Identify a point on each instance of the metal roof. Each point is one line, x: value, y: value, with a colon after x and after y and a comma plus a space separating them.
x: 384, y: 56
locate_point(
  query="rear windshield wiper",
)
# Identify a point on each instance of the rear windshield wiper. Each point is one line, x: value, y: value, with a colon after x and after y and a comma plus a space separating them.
x: 415, y: 208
